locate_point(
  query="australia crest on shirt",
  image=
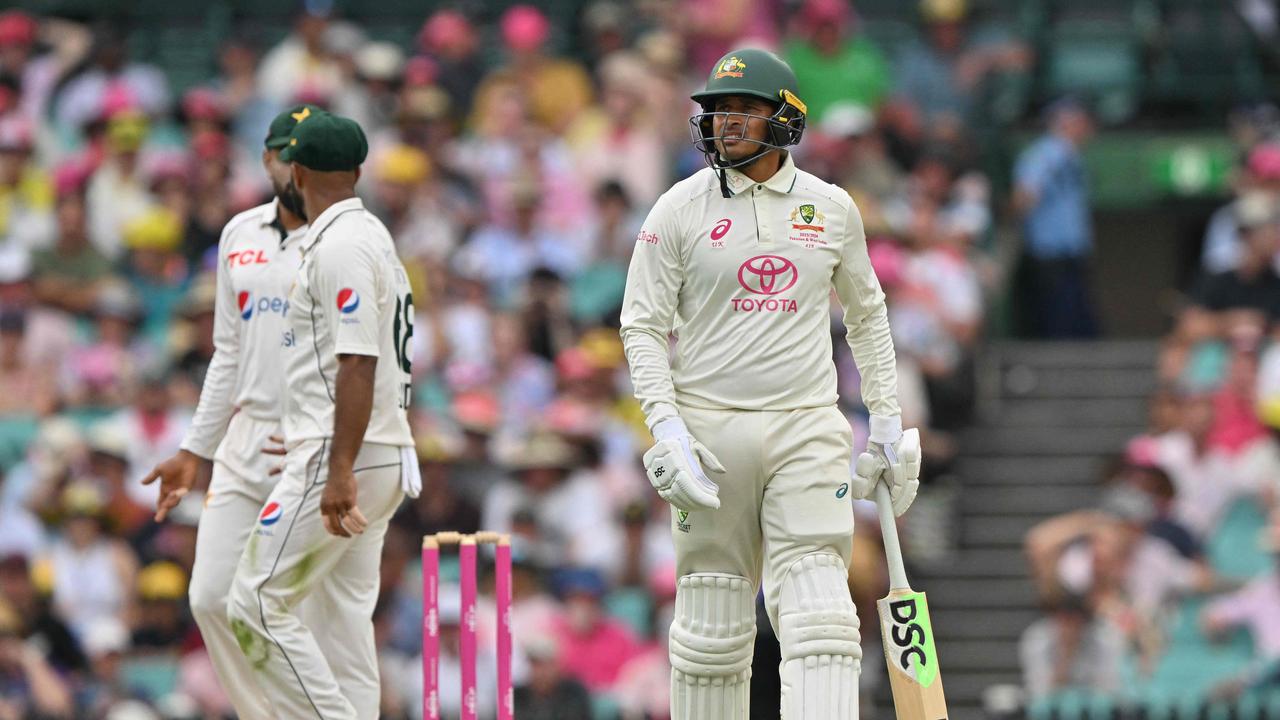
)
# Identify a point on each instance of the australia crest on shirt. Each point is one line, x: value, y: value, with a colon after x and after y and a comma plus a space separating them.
x: 808, y: 226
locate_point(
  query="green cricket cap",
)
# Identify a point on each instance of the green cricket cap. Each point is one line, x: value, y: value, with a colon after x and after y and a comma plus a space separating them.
x: 283, y: 124
x: 326, y: 142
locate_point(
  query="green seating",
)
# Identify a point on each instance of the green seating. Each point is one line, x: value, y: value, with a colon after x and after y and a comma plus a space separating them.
x: 1233, y: 550
x: 16, y: 433
x: 1098, y: 58
x: 631, y: 606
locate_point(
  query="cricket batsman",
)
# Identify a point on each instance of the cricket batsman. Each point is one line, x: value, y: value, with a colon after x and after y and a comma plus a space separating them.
x: 350, y: 454
x: 239, y: 408
x: 738, y: 262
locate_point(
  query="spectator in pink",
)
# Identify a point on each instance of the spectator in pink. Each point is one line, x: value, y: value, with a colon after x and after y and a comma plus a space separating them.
x: 594, y: 647
x: 111, y: 78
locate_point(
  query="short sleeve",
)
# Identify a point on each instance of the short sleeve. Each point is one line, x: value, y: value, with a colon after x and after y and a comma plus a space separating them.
x: 346, y: 284
x: 1035, y: 167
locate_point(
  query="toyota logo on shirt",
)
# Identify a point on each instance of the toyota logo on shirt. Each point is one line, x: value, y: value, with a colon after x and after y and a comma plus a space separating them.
x: 767, y: 275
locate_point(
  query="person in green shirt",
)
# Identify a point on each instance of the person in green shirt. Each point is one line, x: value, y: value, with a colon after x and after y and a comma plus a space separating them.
x: 68, y: 274
x: 834, y: 63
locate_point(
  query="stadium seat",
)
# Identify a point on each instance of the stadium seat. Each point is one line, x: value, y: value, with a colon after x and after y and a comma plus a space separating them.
x: 1096, y: 58
x: 1233, y: 550
x: 604, y: 707
x: 16, y: 432
x: 631, y: 606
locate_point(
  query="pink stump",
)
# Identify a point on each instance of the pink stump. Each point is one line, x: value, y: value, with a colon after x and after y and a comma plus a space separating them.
x: 467, y: 641
x: 430, y: 629
x: 502, y: 589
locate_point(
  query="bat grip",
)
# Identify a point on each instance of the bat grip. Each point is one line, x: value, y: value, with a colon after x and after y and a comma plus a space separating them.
x: 889, y: 532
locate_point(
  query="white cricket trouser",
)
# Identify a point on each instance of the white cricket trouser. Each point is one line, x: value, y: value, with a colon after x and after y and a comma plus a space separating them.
x: 240, y: 485
x: 331, y: 674
x: 784, y: 495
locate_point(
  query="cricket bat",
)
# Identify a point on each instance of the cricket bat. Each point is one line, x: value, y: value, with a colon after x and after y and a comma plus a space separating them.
x: 906, y: 632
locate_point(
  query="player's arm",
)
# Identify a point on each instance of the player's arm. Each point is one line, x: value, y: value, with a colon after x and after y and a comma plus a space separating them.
x: 654, y: 278
x: 352, y: 406
x: 348, y: 270
x: 866, y: 321
x: 193, y: 462
x: 675, y: 463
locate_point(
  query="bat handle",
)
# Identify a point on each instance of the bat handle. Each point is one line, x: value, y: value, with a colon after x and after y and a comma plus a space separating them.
x: 889, y: 531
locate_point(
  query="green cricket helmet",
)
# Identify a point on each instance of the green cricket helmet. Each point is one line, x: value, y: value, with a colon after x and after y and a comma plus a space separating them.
x: 754, y: 73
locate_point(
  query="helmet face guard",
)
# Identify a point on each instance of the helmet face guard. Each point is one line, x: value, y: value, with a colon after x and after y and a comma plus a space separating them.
x: 784, y: 128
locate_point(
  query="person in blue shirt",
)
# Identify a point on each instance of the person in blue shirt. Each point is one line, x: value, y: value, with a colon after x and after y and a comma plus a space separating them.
x: 1051, y: 192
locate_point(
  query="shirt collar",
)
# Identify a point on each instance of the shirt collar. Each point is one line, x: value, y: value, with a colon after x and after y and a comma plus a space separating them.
x: 326, y: 218
x: 782, y: 181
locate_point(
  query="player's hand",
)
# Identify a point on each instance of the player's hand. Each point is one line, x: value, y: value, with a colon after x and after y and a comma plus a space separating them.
x: 177, y: 476
x: 275, y: 446
x: 338, y: 505
x: 897, y: 464
x: 674, y: 466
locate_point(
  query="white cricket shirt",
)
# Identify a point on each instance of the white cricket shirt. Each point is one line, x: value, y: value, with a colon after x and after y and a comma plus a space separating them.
x: 257, y: 262
x: 744, y: 283
x: 351, y: 298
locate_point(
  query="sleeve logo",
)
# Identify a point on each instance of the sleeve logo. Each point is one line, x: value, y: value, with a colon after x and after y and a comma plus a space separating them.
x: 245, y: 302
x: 271, y: 514
x: 348, y: 301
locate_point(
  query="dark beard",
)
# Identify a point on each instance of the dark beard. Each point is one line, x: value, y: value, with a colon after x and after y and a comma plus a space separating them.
x: 291, y: 200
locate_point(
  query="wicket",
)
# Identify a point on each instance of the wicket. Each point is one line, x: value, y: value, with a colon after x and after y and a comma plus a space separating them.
x: 467, y: 642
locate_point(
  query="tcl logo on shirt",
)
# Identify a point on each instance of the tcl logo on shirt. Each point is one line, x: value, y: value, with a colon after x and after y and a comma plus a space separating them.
x: 247, y: 257
x: 767, y: 275
x: 348, y: 301
x: 248, y: 307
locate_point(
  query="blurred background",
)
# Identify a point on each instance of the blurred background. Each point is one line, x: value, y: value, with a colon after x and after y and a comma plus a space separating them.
x: 1071, y: 204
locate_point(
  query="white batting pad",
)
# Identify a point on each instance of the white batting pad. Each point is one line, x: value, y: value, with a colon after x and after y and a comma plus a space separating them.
x: 712, y: 639
x: 818, y: 634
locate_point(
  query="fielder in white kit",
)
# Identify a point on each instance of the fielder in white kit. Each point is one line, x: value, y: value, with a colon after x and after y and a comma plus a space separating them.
x: 239, y: 409
x: 738, y: 262
x: 350, y: 457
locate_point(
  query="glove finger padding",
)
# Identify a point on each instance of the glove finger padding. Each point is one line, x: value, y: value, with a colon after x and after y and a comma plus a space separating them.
x: 906, y: 471
x: 866, y: 473
x: 708, y: 460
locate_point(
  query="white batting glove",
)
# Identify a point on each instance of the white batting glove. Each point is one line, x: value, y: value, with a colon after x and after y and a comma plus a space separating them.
x: 674, y: 466
x: 897, y: 463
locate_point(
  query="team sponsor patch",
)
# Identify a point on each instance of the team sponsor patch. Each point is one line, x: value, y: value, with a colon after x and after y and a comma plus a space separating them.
x: 245, y: 301
x: 271, y: 514
x: 348, y: 301
x: 718, y: 232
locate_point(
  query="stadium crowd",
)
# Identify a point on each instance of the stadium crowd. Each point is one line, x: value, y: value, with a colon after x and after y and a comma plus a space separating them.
x: 1170, y: 586
x: 513, y: 166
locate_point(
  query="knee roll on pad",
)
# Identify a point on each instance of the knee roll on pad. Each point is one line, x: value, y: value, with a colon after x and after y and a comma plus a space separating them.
x: 819, y: 639
x: 712, y: 641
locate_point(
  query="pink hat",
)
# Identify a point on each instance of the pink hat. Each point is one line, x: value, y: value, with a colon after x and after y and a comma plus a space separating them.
x: 420, y: 71
x: 524, y: 28
x: 117, y: 99
x: 1264, y: 161
x: 442, y: 29
x: 71, y: 176
x: 17, y: 28
x: 15, y: 133
x: 210, y: 145
x: 825, y: 12
x: 203, y: 103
